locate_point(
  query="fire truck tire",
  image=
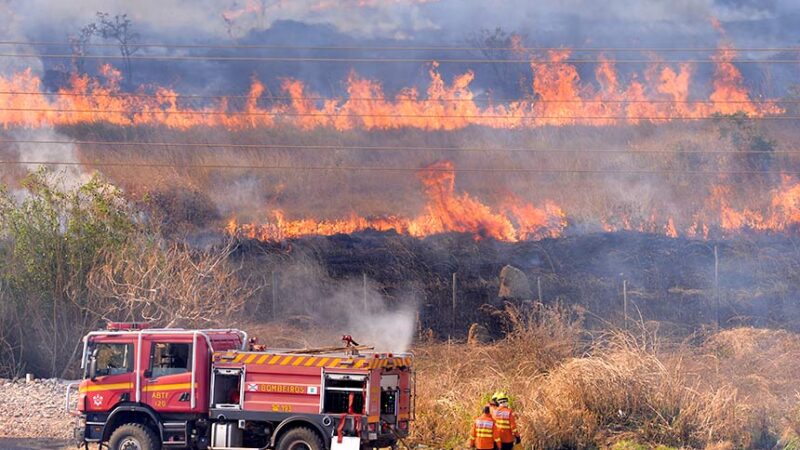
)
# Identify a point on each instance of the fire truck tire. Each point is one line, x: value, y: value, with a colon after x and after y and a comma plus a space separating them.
x: 133, y: 436
x: 300, y: 438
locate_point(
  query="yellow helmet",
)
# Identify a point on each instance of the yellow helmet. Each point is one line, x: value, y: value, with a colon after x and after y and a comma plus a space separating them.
x: 500, y: 396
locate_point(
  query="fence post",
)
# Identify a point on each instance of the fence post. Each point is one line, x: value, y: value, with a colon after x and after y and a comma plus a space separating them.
x: 274, y: 295
x: 453, y: 306
x: 716, y: 284
x: 625, y: 301
x: 364, y: 286
x: 539, y: 287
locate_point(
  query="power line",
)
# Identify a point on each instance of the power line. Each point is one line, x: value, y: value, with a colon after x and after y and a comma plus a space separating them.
x: 403, y: 48
x: 388, y: 116
x: 387, y: 60
x: 390, y: 99
x: 632, y: 151
x: 397, y: 169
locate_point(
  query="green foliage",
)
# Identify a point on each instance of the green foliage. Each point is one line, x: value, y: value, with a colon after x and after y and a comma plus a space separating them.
x: 792, y: 443
x: 631, y: 445
x: 51, y: 237
x: 747, y: 137
x: 54, y: 234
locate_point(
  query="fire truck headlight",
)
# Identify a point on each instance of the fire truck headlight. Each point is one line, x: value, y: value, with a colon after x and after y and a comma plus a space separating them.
x: 372, y: 436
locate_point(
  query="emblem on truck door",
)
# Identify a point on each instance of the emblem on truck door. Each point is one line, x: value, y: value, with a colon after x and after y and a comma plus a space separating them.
x: 97, y: 399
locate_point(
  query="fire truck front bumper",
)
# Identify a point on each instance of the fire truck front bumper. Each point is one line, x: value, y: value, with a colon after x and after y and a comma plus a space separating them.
x: 87, y: 431
x: 79, y: 434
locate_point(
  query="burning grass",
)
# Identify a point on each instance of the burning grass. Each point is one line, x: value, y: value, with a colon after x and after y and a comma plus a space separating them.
x: 663, y: 193
x: 729, y: 389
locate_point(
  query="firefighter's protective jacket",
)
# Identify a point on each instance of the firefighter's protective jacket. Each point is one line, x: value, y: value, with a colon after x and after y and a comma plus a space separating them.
x: 483, y: 435
x: 506, y: 424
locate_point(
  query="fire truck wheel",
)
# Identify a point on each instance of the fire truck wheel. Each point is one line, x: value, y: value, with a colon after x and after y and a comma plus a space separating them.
x: 133, y: 436
x: 300, y: 438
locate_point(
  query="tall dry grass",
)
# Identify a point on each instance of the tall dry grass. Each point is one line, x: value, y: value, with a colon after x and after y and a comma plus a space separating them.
x: 572, y: 389
x: 723, y: 390
x: 454, y: 379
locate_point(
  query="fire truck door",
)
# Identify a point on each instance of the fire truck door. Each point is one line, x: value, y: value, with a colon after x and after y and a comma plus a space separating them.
x: 113, y: 375
x: 167, y: 381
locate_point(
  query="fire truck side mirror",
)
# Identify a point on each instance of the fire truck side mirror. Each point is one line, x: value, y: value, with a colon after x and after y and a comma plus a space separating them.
x: 93, y: 365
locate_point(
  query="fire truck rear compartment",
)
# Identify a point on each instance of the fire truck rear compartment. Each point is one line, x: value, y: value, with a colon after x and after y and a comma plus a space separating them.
x: 390, y: 392
x: 226, y: 388
x: 344, y: 393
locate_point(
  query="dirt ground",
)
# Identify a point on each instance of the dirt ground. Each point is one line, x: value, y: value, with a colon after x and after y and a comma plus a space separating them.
x: 33, y: 415
x: 33, y: 444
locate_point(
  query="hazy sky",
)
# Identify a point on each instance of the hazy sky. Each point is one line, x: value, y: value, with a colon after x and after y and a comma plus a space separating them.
x: 450, y: 20
x: 570, y: 23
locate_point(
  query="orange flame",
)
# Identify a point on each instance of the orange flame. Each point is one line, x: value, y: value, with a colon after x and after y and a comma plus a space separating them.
x: 449, y: 211
x: 445, y: 211
x: 560, y: 98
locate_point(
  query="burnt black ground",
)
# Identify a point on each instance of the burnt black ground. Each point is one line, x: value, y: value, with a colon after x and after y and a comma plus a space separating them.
x: 669, y: 280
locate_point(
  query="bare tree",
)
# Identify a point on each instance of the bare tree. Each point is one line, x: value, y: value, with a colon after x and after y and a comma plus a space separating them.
x: 173, y: 285
x: 78, y: 44
x: 498, y: 45
x: 119, y: 28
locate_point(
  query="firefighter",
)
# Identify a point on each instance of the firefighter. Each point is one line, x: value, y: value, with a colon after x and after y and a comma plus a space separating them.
x: 493, y: 402
x: 506, y: 422
x: 483, y: 435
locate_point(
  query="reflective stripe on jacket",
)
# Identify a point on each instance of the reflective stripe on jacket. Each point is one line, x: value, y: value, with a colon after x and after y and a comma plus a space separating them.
x: 483, y: 434
x: 506, y: 424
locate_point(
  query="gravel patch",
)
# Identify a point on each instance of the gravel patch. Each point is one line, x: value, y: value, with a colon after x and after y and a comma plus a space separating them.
x: 34, y: 410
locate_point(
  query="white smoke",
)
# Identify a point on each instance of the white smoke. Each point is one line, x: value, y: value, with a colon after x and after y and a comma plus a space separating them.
x: 36, y: 155
x: 347, y: 307
x: 369, y: 317
x: 398, y: 19
x: 13, y: 29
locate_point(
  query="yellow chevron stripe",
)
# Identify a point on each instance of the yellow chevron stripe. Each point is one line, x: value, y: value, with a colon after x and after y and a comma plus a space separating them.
x: 250, y: 358
x: 322, y: 362
x: 298, y: 360
x: 286, y: 360
x: 106, y: 387
x: 262, y: 359
x: 310, y: 361
x: 168, y: 387
x: 274, y: 359
x: 238, y: 357
x: 360, y: 363
x: 335, y: 362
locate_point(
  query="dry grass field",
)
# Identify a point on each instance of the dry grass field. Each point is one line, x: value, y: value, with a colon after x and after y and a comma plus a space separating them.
x: 573, y: 389
x: 730, y: 389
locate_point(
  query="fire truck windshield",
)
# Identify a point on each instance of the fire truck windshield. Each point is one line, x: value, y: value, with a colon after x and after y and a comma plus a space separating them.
x: 112, y: 359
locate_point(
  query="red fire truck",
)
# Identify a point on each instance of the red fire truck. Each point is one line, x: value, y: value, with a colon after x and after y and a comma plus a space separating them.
x: 147, y: 389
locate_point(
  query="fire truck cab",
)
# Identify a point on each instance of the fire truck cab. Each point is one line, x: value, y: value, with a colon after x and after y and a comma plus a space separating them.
x: 147, y: 389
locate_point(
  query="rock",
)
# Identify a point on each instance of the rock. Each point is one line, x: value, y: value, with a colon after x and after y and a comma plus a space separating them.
x: 23, y: 406
x: 478, y: 334
x: 514, y: 284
